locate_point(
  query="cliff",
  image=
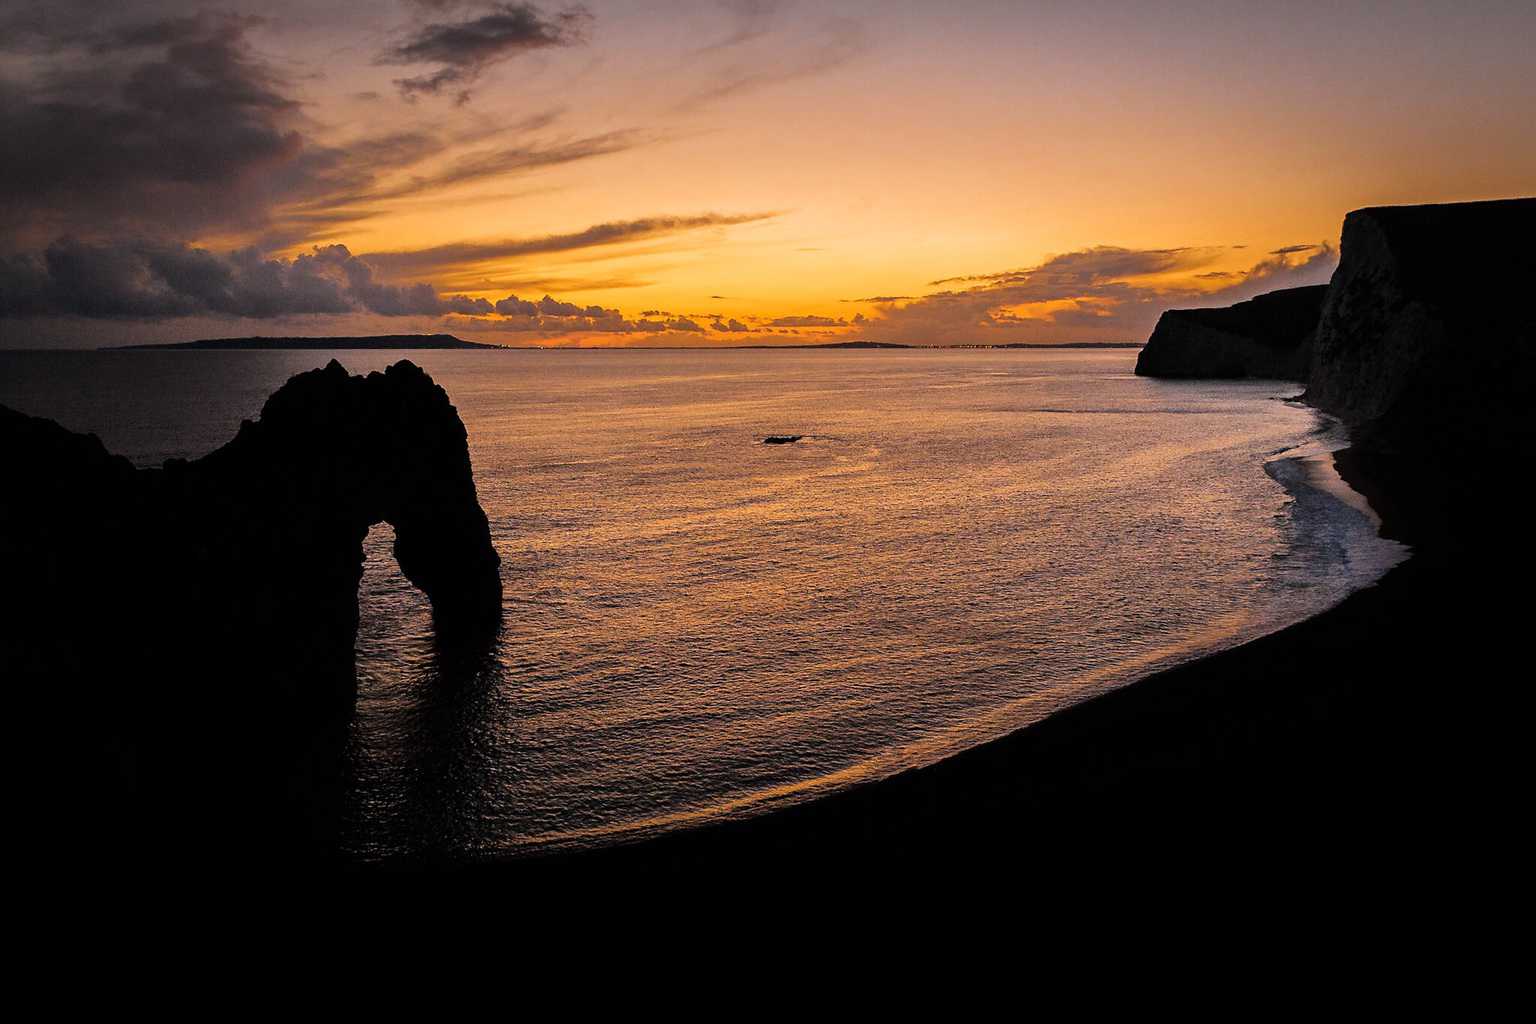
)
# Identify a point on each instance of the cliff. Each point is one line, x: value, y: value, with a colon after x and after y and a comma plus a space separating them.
x: 1428, y: 333
x: 1267, y: 336
x: 182, y: 638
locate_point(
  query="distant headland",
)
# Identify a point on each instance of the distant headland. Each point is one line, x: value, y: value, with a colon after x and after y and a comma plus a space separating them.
x: 383, y: 341
x: 449, y: 341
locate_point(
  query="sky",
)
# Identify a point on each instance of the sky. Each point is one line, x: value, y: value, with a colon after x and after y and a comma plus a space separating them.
x: 710, y: 172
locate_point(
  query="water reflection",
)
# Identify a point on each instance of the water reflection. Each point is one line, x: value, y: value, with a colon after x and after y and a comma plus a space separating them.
x: 699, y: 625
x: 420, y: 751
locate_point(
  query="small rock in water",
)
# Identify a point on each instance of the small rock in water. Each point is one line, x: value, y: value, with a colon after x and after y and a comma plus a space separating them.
x: 782, y: 438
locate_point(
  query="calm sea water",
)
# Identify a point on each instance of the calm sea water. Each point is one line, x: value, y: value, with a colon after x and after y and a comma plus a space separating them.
x: 699, y: 625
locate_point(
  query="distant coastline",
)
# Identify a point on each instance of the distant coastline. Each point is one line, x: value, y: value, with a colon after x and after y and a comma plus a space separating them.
x: 449, y: 341
x: 376, y: 341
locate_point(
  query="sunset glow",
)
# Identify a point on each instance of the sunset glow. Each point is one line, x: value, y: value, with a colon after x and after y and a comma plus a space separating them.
x: 984, y: 172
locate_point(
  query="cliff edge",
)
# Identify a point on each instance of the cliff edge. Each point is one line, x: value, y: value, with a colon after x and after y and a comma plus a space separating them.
x: 1267, y: 336
x: 1428, y: 332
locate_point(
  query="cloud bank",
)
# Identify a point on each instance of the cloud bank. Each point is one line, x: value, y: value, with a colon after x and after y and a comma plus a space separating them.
x: 1103, y: 293
x: 175, y: 127
x: 149, y: 280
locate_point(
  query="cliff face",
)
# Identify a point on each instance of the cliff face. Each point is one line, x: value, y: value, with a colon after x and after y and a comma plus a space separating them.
x: 182, y: 638
x: 1428, y: 332
x: 1267, y: 336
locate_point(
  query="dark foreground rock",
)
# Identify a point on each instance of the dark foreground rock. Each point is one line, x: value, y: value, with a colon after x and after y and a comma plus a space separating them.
x: 182, y: 638
x: 1269, y: 336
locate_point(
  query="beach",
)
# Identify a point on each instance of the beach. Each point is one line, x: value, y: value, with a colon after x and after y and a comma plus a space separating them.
x: 1353, y: 741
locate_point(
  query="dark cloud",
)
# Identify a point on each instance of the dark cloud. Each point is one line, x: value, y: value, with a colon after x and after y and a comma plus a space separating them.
x: 731, y: 326
x: 806, y: 321
x: 881, y: 298
x: 514, y: 306
x: 549, y: 306
x: 172, y: 120
x: 421, y: 261
x: 134, y: 126
x: 161, y: 280
x: 552, y: 316
x: 148, y: 280
x: 465, y: 49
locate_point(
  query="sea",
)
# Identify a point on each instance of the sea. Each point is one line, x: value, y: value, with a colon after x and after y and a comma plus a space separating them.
x: 700, y: 626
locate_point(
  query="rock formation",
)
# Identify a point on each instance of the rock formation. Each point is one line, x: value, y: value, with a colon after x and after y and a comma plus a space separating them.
x: 187, y: 632
x: 1425, y: 344
x: 1428, y: 334
x: 1425, y: 335
x: 1267, y: 336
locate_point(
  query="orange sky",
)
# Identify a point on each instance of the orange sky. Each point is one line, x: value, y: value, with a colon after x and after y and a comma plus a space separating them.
x: 682, y: 165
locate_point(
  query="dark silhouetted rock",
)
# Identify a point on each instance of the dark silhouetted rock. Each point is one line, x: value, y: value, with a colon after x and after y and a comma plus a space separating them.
x: 1267, y: 336
x: 184, y: 637
x: 1428, y: 335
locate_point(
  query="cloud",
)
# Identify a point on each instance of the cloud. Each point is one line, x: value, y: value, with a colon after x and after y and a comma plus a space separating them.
x: 493, y: 163
x: 465, y: 49
x: 731, y: 326
x: 148, y: 279
x: 458, y: 254
x: 160, y: 282
x: 136, y: 126
x: 1104, y: 293
x: 750, y: 19
x: 833, y: 43
x: 806, y: 321
x: 551, y: 316
x: 1087, y: 267
x: 168, y: 119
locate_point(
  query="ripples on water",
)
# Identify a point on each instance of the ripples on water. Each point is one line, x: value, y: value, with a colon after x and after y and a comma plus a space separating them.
x: 699, y: 625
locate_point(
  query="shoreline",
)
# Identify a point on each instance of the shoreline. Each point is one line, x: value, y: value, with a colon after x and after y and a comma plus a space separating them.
x: 1315, y: 472
x: 1276, y: 741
